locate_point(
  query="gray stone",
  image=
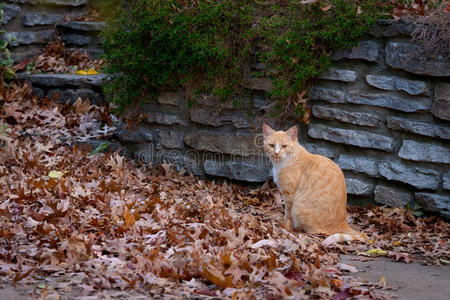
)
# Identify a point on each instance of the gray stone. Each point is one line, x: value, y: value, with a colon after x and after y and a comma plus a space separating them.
x: 39, y: 92
x: 224, y: 142
x: 32, y: 19
x: 391, y: 196
x: 190, y: 162
x: 365, y: 50
x: 216, y: 118
x: 214, y: 101
x: 259, y: 83
x: 329, y: 95
x: 426, y: 129
x: 358, y: 164
x: 171, y: 98
x: 446, y: 181
x: 19, y: 55
x: 238, y: 170
x: 29, y: 37
x: 258, y: 66
x: 169, y: 138
x: 73, y: 3
x: 83, y: 26
x: 357, y: 138
x: 69, y: 96
x: 418, y: 177
x: 94, y: 98
x: 139, y: 134
x: 406, y: 104
x: 409, y: 57
x: 164, y: 119
x: 319, y: 149
x: 390, y: 28
x: 336, y: 114
x: 259, y: 102
x: 394, y: 83
x: 435, y: 203
x: 76, y: 39
x: 58, y: 80
x: 441, y: 104
x: 339, y: 75
x: 358, y: 187
x: 9, y: 13
x: 412, y: 150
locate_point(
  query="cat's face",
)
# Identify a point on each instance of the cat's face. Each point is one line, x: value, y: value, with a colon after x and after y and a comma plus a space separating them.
x: 280, y: 145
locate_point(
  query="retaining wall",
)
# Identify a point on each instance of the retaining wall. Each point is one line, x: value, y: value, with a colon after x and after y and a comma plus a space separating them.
x: 31, y: 24
x: 382, y: 113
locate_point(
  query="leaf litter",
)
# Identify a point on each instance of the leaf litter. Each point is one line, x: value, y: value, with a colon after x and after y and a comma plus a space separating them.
x: 106, y: 224
x: 57, y: 58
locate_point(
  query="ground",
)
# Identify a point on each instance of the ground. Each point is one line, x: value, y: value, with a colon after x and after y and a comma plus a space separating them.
x: 413, y: 281
x: 93, y: 224
x: 410, y: 281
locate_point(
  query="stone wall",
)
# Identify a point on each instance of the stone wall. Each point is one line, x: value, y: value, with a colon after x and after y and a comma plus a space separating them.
x: 382, y: 113
x: 31, y: 24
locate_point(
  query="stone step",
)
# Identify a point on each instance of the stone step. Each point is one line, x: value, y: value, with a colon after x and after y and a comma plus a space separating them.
x: 72, y: 3
x: 83, y: 26
x: 61, y: 80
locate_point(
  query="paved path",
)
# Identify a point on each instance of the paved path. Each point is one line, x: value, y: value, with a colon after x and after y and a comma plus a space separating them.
x: 414, y: 281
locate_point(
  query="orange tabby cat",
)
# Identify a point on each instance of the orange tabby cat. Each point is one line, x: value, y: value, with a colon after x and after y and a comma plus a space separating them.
x: 313, y: 187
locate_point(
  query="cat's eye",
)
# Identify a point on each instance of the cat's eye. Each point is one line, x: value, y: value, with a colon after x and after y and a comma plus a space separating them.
x: 272, y: 145
x: 283, y: 146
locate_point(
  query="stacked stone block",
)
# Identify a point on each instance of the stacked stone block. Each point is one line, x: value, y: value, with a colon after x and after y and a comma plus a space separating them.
x: 384, y: 107
x: 382, y: 113
x: 31, y: 24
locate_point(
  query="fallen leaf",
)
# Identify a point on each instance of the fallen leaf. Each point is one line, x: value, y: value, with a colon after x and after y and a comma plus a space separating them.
x: 374, y: 252
x: 55, y: 174
x: 325, y: 8
x: 347, y: 267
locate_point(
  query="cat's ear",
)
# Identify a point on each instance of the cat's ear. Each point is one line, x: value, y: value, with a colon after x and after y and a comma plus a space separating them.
x: 292, y: 133
x: 267, y: 130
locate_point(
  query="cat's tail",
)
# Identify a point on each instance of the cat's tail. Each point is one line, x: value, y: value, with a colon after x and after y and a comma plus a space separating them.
x: 349, y: 234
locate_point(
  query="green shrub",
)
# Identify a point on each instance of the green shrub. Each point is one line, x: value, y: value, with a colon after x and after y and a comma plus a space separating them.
x: 208, y: 46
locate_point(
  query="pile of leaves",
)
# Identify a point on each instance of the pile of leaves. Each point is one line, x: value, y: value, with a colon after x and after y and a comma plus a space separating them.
x: 397, y: 233
x: 75, y: 222
x: 56, y: 58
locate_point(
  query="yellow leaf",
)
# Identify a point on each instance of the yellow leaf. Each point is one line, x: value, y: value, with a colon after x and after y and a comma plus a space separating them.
x: 92, y: 72
x: 88, y: 72
x: 382, y: 280
x: 55, y: 174
x: 371, y: 241
x: 375, y: 252
x: 397, y: 243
